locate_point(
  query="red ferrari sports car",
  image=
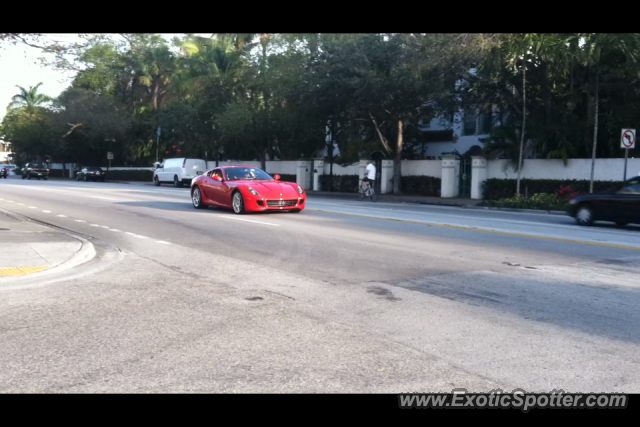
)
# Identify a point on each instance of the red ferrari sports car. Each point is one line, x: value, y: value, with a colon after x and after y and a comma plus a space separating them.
x: 246, y: 189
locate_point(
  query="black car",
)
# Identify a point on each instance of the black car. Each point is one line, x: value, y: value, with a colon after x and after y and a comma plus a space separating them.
x: 621, y: 205
x: 35, y: 170
x: 4, y: 171
x: 90, y: 173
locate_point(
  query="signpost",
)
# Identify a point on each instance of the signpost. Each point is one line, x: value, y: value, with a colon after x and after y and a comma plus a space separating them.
x: 627, y: 141
x: 157, y: 142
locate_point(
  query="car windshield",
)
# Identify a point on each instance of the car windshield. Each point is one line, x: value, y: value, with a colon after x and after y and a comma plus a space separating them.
x: 93, y: 168
x: 238, y: 173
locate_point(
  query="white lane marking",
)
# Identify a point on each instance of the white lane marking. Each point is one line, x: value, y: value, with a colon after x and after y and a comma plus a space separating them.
x: 21, y: 204
x: 46, y: 211
x: 163, y: 242
x: 95, y: 225
x: 105, y: 198
x: 249, y: 220
x: 80, y: 220
x: 9, y: 201
x: 104, y: 226
x: 114, y: 229
x: 32, y: 207
x: 135, y: 235
x: 1, y: 198
x: 62, y: 216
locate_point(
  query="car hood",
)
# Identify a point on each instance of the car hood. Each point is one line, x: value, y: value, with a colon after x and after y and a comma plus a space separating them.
x: 273, y: 189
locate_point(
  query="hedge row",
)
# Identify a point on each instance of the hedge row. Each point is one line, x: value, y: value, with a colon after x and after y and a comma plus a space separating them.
x: 497, y: 189
x: 286, y: 177
x: 341, y: 183
x: 130, y: 175
x: 421, y: 185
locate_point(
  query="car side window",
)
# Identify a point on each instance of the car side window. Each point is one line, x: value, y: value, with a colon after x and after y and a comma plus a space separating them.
x: 217, y: 172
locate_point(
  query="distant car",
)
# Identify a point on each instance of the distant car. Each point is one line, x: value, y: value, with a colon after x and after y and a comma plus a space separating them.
x: 91, y: 173
x: 35, y: 170
x: 246, y: 189
x: 4, y: 171
x: 621, y: 205
x: 178, y: 171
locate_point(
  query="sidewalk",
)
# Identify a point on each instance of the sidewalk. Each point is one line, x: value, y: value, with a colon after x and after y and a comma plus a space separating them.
x: 28, y: 247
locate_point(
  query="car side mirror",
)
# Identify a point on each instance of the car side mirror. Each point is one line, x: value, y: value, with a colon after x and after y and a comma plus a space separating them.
x: 277, y: 177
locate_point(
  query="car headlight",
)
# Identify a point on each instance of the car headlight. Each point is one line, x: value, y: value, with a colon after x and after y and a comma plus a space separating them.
x: 254, y: 192
x: 300, y: 190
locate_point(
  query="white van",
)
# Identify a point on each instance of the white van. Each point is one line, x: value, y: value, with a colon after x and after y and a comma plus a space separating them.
x: 178, y: 171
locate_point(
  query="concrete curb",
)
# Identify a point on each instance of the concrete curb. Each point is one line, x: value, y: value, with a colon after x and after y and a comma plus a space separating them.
x: 85, y: 254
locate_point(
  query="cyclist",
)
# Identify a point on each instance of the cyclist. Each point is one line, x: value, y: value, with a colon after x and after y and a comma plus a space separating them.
x: 369, y: 175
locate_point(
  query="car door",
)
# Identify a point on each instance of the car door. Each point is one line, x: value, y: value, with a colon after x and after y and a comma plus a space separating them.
x: 212, y: 187
x: 629, y: 201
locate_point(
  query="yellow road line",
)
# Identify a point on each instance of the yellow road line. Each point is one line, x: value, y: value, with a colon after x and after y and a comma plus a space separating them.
x: 17, y: 271
x: 506, y: 233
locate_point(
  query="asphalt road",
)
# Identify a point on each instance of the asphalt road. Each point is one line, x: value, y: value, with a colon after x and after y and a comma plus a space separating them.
x: 346, y: 296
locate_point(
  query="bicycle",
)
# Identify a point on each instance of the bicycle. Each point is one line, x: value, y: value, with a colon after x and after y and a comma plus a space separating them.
x: 367, y: 191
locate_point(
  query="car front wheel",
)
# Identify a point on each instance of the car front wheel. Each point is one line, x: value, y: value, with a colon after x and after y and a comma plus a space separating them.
x: 584, y: 215
x: 237, y: 203
x: 196, y: 198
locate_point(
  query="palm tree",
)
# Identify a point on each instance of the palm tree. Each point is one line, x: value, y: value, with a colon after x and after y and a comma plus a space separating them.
x: 593, y: 47
x: 29, y: 98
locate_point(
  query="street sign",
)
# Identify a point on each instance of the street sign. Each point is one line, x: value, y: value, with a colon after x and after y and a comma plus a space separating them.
x: 158, y: 131
x: 628, y: 138
x: 109, y: 155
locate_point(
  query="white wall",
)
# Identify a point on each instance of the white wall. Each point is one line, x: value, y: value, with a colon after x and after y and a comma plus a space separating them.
x: 340, y: 170
x: 462, y: 145
x: 605, y: 169
x: 422, y: 167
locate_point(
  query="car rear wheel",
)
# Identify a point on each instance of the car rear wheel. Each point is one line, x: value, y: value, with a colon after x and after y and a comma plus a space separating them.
x: 176, y: 182
x: 85, y: 178
x: 237, y: 202
x: 584, y: 215
x: 155, y: 181
x: 196, y: 199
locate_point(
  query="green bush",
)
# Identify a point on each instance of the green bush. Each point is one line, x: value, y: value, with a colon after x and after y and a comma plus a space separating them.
x: 498, y: 189
x: 341, y: 183
x: 421, y: 185
x: 540, y: 201
x: 130, y: 175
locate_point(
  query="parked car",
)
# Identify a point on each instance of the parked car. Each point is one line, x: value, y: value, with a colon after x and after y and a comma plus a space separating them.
x: 178, y: 171
x: 91, y: 173
x: 620, y: 205
x: 35, y: 170
x: 246, y: 189
x: 4, y: 171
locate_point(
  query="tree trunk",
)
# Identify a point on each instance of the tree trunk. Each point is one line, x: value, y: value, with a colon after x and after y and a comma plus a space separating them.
x: 397, y: 163
x: 524, y: 118
x: 595, y: 136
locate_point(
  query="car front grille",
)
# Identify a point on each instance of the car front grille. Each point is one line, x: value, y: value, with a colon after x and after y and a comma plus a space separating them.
x: 276, y: 203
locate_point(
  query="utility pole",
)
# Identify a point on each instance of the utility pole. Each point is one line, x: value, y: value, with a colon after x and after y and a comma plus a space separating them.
x: 157, y: 142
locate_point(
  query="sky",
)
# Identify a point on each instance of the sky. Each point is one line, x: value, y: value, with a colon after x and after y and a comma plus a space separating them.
x: 19, y: 65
